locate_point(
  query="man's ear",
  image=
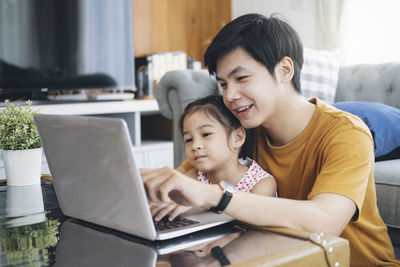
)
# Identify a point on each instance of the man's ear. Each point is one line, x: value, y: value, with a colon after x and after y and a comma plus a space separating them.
x: 284, y: 70
x: 238, y: 137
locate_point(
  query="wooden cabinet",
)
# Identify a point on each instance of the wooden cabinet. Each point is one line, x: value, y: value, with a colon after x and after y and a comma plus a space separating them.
x: 177, y: 25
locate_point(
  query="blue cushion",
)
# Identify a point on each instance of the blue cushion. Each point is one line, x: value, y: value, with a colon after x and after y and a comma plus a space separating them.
x: 383, y: 122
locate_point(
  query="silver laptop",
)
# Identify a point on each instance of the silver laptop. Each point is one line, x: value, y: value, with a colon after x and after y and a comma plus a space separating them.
x: 96, y: 180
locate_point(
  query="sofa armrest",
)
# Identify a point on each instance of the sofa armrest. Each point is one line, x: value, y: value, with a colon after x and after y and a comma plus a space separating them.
x: 175, y: 91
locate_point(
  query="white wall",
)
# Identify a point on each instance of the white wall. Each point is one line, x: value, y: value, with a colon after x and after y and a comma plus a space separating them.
x: 299, y: 13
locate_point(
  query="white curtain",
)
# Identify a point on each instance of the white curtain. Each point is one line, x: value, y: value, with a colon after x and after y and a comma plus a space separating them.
x: 328, y: 17
x: 106, y: 31
x: 370, y: 31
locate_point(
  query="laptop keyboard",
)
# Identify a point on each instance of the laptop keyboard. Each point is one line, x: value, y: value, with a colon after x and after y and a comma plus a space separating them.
x: 165, y: 224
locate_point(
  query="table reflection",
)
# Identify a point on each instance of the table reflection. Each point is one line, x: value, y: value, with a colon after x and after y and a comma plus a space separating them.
x: 80, y: 245
x: 31, y: 243
x: 27, y: 233
x: 24, y: 205
x: 238, y: 248
x: 85, y: 244
x: 40, y: 235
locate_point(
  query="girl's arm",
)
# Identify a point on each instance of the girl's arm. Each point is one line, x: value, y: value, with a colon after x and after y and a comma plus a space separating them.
x: 265, y: 187
x: 180, y: 169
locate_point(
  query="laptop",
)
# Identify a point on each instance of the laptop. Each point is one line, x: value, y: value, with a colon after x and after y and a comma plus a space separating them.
x: 95, y: 177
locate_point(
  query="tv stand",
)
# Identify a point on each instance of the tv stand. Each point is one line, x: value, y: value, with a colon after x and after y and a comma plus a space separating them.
x: 97, y: 96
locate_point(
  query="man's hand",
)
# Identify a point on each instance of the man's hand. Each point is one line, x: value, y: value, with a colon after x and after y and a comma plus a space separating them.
x: 159, y: 211
x: 168, y: 186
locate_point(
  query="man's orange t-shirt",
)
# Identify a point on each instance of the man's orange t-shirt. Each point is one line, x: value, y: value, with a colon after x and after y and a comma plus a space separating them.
x: 334, y: 154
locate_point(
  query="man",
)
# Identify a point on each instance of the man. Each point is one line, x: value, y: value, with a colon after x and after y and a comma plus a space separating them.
x: 322, y: 158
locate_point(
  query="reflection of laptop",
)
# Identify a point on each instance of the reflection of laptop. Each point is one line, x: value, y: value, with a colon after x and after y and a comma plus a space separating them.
x: 88, y: 244
x: 82, y: 246
x: 96, y: 179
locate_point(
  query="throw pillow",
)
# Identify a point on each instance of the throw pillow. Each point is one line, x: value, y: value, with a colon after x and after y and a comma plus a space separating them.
x: 383, y: 122
x: 319, y: 75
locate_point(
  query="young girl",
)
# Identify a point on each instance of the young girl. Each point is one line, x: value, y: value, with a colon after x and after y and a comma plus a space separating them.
x: 214, y: 141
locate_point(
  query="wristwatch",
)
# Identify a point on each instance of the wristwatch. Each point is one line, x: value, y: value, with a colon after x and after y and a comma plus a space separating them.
x: 229, y: 191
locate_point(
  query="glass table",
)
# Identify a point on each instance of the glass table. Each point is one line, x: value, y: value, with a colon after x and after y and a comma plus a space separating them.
x: 34, y: 232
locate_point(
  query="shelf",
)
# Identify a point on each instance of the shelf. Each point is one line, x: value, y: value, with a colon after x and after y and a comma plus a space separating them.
x: 154, y: 154
x: 101, y: 107
x: 148, y: 153
x: 130, y: 110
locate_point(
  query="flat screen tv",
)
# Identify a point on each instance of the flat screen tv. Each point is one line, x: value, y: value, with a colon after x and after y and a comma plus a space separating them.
x: 48, y: 45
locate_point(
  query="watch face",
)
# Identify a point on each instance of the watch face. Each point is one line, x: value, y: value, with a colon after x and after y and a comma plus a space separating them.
x: 228, y: 187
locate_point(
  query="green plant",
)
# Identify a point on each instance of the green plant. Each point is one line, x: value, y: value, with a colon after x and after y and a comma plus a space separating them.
x: 17, y: 127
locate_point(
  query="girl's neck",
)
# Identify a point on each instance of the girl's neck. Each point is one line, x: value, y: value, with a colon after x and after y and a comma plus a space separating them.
x: 230, y: 172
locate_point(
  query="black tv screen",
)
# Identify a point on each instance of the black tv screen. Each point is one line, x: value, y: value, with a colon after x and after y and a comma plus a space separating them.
x: 65, y: 45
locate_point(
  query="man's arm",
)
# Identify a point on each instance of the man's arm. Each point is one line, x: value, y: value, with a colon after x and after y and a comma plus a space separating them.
x: 328, y: 213
x: 343, y: 172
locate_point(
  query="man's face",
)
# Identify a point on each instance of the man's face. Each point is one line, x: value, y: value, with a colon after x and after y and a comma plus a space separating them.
x: 249, y: 90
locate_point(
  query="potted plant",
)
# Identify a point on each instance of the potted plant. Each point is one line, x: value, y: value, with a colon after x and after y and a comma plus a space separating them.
x: 20, y: 142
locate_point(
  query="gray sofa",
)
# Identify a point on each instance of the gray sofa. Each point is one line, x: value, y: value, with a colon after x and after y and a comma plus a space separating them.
x: 373, y: 83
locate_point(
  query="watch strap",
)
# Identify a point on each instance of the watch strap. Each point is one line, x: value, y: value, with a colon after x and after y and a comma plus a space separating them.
x: 219, y: 254
x: 223, y: 203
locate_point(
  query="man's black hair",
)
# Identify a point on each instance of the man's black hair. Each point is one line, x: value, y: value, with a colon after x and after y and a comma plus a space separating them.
x: 267, y: 40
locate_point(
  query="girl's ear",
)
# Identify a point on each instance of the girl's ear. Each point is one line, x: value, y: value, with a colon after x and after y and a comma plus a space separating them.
x: 238, y: 137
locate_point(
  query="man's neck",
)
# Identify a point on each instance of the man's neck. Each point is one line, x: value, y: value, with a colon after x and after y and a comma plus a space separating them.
x: 290, y: 119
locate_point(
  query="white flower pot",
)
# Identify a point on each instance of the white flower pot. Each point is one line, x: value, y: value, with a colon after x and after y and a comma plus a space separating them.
x: 23, y: 167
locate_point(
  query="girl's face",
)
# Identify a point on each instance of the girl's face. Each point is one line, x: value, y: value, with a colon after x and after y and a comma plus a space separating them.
x: 207, y: 145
